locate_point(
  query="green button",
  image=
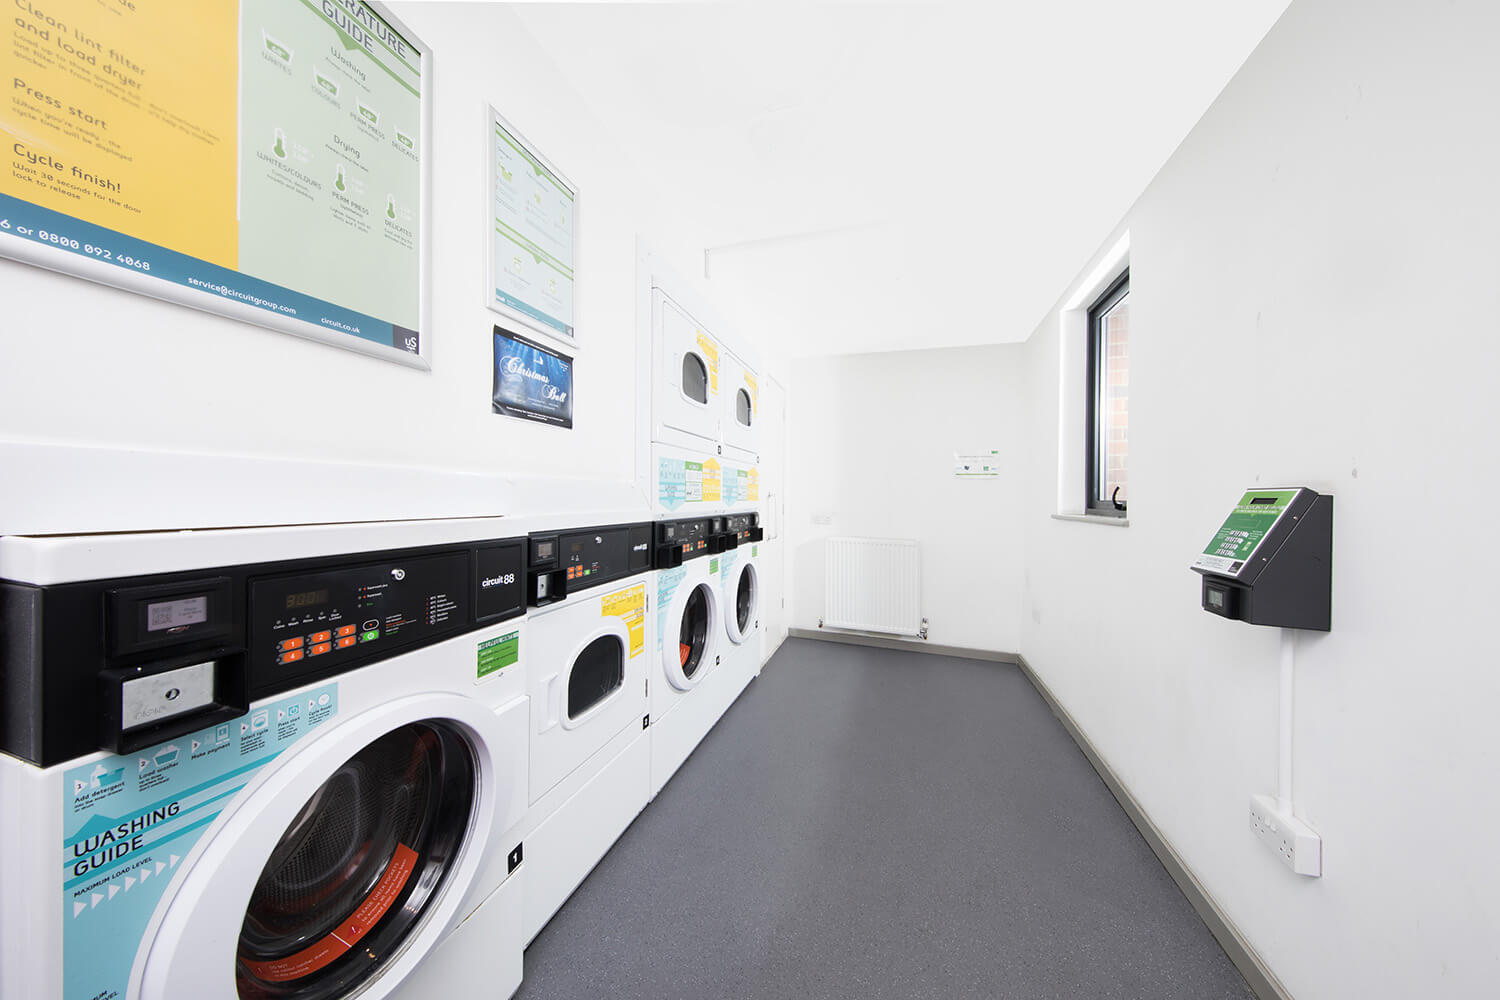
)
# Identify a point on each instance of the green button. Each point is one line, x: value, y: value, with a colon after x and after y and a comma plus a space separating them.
x: 367, y: 636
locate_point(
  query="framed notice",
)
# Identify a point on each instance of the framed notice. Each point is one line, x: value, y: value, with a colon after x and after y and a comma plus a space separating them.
x: 532, y: 382
x: 263, y: 159
x: 531, y: 248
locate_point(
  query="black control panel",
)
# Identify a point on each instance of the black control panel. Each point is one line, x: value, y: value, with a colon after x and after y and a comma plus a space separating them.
x: 565, y: 562
x: 121, y: 664
x: 679, y: 541
x: 304, y: 622
x: 743, y: 529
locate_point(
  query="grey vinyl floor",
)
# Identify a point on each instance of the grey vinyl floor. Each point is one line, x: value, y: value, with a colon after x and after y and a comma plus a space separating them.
x: 867, y: 824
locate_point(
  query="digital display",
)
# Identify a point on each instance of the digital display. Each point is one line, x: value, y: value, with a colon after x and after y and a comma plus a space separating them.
x: 1263, y: 499
x: 544, y: 551
x: 307, y: 599
x: 174, y: 614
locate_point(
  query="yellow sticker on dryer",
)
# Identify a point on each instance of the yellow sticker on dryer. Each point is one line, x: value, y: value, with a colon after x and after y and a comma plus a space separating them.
x: 752, y: 487
x: 754, y: 395
x: 713, y: 482
x: 630, y: 606
x: 711, y: 352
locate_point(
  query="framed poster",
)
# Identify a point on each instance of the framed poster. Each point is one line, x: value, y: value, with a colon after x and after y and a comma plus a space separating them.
x: 262, y: 159
x: 532, y: 382
x: 531, y: 247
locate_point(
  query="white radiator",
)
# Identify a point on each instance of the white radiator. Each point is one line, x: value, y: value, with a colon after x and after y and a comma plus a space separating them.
x: 873, y: 585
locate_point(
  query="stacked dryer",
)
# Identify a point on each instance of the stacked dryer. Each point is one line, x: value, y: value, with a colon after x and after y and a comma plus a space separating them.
x: 704, y: 468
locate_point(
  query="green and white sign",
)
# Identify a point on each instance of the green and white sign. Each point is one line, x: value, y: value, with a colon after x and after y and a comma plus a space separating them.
x: 498, y: 653
x: 1243, y: 530
x: 531, y: 256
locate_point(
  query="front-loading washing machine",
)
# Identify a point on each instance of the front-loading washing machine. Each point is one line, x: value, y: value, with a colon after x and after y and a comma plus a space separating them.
x: 589, y: 633
x: 740, y: 591
x: 273, y: 763
x: 688, y: 689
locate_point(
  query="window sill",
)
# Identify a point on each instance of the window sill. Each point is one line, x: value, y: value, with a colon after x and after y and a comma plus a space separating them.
x: 1116, y: 522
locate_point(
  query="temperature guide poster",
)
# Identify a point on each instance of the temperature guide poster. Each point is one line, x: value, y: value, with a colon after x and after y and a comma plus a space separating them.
x: 256, y: 157
x: 531, y: 257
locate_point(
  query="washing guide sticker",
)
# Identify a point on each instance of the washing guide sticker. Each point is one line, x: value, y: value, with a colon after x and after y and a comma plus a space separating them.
x: 629, y: 605
x: 667, y: 582
x: 680, y: 481
x: 752, y: 485
x: 726, y: 565
x: 129, y: 821
x: 498, y: 653
x: 1244, y: 529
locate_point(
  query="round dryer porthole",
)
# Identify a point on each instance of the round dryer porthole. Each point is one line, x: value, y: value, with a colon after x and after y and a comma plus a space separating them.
x: 687, y: 660
x: 740, y: 622
x: 359, y: 868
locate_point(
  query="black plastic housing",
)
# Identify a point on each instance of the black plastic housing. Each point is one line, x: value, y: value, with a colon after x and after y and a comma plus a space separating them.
x: 1288, y: 582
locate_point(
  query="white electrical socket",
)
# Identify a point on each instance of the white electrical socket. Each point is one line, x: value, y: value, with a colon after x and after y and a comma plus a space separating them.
x: 1297, y: 845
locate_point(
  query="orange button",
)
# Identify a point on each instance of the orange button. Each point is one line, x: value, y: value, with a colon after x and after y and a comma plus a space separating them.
x: 291, y: 657
x: 291, y: 643
x: 320, y: 648
x: 346, y: 630
x: 347, y: 641
x: 320, y: 637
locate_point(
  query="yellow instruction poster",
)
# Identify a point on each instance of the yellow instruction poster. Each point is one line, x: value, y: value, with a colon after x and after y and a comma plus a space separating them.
x: 263, y: 153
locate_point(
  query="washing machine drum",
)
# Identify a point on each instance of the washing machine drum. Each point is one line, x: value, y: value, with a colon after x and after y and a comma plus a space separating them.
x: 358, y: 869
x: 692, y: 637
x: 744, y: 600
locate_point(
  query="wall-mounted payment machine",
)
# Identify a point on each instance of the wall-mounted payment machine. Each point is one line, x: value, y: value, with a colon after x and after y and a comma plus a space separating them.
x: 1271, y: 561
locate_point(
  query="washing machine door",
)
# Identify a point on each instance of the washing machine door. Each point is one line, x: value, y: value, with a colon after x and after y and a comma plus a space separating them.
x: 743, y: 598
x: 687, y: 644
x: 347, y: 863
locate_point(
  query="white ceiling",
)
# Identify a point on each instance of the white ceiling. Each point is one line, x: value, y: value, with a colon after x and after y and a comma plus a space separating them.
x: 875, y: 177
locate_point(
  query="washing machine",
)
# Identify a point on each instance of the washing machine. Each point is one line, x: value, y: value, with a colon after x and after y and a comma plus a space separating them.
x: 273, y: 762
x: 688, y: 689
x: 589, y: 635
x: 686, y: 399
x: 740, y: 593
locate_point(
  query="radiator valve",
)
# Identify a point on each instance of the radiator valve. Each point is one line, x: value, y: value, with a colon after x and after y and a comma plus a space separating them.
x: 923, y: 633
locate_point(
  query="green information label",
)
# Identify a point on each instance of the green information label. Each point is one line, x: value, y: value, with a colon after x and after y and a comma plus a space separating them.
x: 499, y: 653
x: 713, y: 566
x: 1244, y: 529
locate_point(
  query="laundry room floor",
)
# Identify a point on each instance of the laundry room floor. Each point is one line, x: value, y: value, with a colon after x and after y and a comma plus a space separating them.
x: 870, y: 823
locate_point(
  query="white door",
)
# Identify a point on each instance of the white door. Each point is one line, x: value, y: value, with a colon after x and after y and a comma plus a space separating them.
x: 587, y: 683
x: 686, y: 385
x: 740, y: 419
x: 773, y: 511
x: 342, y: 866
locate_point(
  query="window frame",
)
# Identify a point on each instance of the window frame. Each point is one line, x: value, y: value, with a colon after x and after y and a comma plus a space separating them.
x: 1113, y: 294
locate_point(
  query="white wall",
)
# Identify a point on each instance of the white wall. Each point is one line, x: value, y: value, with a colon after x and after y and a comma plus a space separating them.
x: 1314, y: 302
x: 85, y: 364
x: 871, y: 443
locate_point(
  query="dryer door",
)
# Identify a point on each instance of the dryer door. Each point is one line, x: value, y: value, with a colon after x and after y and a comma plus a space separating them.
x: 743, y: 598
x: 687, y: 381
x: 741, y: 416
x: 586, y: 687
x: 347, y: 864
x: 688, y: 646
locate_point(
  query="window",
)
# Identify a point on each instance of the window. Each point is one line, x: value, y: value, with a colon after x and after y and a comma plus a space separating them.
x: 598, y: 673
x: 742, y: 407
x: 694, y: 378
x: 1109, y: 400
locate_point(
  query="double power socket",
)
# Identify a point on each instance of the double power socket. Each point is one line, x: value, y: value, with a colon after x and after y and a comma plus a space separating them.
x: 1297, y: 845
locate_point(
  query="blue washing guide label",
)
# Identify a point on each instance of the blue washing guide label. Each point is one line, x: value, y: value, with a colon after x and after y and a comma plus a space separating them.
x: 726, y: 565
x: 129, y: 821
x: 667, y: 582
x: 672, y: 483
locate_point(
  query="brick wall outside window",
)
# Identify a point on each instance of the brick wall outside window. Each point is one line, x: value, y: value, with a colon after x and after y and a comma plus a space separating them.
x: 1116, y: 432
